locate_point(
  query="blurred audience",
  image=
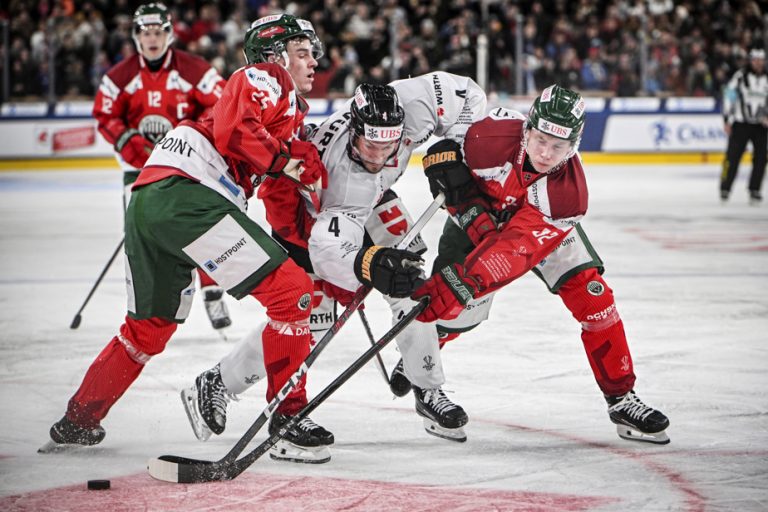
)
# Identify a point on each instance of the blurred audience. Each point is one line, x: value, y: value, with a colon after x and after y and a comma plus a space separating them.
x: 691, y: 46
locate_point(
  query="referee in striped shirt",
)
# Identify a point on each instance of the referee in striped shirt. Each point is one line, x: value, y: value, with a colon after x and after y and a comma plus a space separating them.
x: 745, y: 108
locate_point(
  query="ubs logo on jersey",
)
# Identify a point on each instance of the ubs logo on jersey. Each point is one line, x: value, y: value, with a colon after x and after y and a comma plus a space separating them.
x: 154, y: 127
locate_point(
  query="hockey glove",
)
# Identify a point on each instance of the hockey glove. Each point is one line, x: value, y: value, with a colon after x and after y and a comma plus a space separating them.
x: 448, y: 291
x: 393, y: 272
x: 447, y: 173
x: 134, y: 148
x: 299, y: 161
x: 477, y: 223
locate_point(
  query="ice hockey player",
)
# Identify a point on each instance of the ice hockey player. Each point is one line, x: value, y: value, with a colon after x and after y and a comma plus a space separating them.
x: 147, y: 94
x: 516, y: 203
x: 188, y: 212
x: 346, y: 242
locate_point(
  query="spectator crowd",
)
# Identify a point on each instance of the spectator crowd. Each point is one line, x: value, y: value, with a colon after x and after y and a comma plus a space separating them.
x: 691, y: 47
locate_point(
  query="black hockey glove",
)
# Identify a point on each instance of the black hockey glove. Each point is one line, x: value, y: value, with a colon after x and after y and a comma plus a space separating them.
x: 393, y: 272
x: 447, y: 173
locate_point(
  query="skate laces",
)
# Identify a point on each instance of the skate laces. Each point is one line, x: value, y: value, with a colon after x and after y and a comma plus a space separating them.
x: 218, y: 395
x: 437, y: 400
x: 632, y: 406
x: 307, y: 425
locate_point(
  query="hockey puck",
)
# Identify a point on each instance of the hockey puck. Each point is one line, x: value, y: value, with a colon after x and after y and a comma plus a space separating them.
x: 98, y: 485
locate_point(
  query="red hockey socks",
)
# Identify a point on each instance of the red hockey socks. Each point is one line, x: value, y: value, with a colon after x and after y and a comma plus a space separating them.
x: 287, y: 295
x: 116, y: 367
x: 591, y: 302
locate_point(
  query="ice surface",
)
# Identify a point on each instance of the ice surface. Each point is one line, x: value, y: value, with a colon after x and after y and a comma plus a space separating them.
x: 690, y: 277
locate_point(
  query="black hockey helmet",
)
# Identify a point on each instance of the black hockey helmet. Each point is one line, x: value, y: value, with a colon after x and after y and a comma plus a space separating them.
x: 376, y: 115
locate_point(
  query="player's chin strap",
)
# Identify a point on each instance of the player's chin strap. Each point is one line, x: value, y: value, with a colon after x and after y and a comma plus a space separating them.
x: 172, y: 468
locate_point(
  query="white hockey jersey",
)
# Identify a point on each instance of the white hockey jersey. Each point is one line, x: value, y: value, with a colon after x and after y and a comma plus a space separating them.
x: 438, y: 103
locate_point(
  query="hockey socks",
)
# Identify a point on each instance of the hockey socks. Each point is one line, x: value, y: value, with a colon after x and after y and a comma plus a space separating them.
x: 116, y: 367
x: 590, y: 300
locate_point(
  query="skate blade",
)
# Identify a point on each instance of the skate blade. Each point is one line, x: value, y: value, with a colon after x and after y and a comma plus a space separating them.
x: 53, y: 447
x: 632, y: 434
x: 289, y: 452
x: 189, y: 400
x: 451, y: 434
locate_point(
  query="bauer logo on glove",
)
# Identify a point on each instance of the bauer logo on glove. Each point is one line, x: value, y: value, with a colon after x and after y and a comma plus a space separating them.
x: 445, y: 169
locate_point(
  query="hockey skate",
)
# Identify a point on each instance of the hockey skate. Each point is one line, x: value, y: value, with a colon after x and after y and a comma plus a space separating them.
x: 213, y: 298
x: 65, y: 435
x: 442, y: 418
x: 206, y: 404
x: 398, y: 382
x: 636, y: 421
x: 305, y: 442
x: 755, y: 198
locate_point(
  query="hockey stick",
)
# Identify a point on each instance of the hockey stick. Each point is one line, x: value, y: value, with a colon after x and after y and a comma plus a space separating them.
x: 78, y: 317
x: 171, y: 468
x: 367, y: 326
x: 167, y: 467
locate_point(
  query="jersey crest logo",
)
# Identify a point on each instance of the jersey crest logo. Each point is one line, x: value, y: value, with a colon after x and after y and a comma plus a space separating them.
x: 154, y: 127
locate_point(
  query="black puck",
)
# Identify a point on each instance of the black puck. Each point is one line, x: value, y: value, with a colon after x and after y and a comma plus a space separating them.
x: 98, y: 485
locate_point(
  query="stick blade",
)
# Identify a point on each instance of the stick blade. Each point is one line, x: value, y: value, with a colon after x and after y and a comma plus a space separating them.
x: 170, y: 468
x: 76, y: 321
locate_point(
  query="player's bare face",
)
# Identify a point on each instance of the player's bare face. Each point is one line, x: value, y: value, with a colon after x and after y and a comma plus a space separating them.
x: 545, y: 151
x: 301, y: 64
x: 374, y: 155
x: 152, y: 39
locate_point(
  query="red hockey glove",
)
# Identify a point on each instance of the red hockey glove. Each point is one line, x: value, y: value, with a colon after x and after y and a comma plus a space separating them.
x: 340, y: 295
x: 448, y: 291
x: 299, y: 161
x: 134, y: 148
x: 477, y: 223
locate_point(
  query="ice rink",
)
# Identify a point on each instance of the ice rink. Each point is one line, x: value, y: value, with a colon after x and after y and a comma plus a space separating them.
x: 690, y: 277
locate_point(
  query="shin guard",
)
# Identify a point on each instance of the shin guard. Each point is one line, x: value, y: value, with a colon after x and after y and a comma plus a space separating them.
x: 591, y: 302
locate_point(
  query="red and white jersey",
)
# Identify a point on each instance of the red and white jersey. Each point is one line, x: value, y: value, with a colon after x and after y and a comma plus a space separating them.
x: 132, y: 96
x: 536, y: 210
x: 230, y: 148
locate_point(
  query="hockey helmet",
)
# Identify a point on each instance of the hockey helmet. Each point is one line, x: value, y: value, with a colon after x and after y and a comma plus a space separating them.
x: 154, y: 13
x: 558, y: 112
x: 376, y: 116
x: 269, y: 35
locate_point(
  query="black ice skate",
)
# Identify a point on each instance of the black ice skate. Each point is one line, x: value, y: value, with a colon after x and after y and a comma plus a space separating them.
x: 636, y: 421
x: 305, y: 442
x: 206, y: 404
x: 65, y: 434
x: 398, y: 382
x: 213, y: 298
x: 442, y: 418
x: 755, y: 198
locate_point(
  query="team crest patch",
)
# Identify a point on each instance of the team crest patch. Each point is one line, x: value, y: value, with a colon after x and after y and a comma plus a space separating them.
x: 305, y: 301
x: 595, y: 288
